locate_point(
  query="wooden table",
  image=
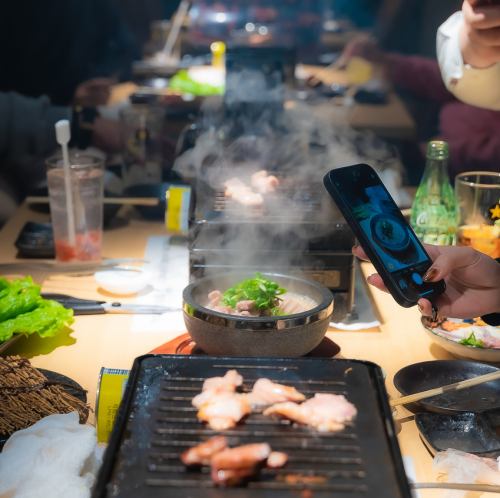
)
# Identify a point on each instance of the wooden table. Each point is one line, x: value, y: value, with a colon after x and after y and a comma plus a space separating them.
x: 390, y: 120
x: 108, y: 340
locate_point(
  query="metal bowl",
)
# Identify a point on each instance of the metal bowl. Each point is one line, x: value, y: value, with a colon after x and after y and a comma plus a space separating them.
x: 229, y: 335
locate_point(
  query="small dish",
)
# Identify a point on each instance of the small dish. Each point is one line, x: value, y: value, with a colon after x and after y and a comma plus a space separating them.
x: 429, y: 374
x: 129, y: 280
x: 469, y: 432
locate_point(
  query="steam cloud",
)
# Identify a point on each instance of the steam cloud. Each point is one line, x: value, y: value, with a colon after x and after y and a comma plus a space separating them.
x: 296, y: 145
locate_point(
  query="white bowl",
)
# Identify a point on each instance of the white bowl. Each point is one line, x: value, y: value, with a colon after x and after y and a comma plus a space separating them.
x: 122, y: 282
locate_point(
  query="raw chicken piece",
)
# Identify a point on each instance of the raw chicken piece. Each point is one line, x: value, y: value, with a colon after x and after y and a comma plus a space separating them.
x: 242, y: 193
x: 231, y: 380
x: 277, y: 459
x: 264, y: 183
x: 266, y: 392
x: 203, y: 453
x: 325, y: 412
x: 223, y: 410
x: 218, y: 404
x: 248, y: 197
x: 241, y: 457
x: 233, y: 186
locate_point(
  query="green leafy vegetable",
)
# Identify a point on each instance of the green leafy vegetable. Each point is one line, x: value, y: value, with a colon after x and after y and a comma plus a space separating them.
x: 183, y: 83
x: 18, y: 297
x: 472, y: 341
x: 24, y: 311
x: 262, y: 291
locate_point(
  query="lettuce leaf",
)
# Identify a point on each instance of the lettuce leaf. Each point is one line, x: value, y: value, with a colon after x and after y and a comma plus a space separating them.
x: 472, y: 341
x: 19, y: 296
x: 24, y: 311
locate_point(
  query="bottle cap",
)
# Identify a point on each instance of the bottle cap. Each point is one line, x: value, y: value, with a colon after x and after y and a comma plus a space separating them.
x: 218, y: 50
x: 437, y: 149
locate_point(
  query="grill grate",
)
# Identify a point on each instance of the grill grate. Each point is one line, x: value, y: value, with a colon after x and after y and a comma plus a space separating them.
x: 157, y: 423
x: 303, y: 199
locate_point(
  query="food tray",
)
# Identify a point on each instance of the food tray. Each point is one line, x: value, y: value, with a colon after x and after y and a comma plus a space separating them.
x: 156, y: 423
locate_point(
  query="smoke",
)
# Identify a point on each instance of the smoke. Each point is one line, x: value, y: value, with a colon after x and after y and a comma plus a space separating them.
x: 297, y: 145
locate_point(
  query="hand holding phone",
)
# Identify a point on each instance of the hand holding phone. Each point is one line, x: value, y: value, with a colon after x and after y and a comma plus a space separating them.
x: 383, y: 233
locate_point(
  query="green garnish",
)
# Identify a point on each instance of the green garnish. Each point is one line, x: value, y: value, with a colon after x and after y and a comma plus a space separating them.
x: 472, y: 341
x: 262, y: 291
x: 24, y: 311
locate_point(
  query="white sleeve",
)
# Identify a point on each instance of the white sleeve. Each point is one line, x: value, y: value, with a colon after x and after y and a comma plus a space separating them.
x: 478, y: 87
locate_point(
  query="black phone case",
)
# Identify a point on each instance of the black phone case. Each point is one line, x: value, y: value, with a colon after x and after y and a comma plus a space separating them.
x: 393, y: 288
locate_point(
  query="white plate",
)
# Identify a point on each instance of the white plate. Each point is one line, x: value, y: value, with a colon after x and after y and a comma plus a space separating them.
x: 490, y: 355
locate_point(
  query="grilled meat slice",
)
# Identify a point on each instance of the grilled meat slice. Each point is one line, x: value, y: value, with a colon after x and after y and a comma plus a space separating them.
x: 265, y: 392
x: 203, y: 452
x: 324, y: 412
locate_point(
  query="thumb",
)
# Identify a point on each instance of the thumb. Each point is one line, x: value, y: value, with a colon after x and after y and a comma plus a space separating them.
x: 450, y: 259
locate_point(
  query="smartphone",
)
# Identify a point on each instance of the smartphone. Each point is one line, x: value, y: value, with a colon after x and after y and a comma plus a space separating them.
x: 383, y: 233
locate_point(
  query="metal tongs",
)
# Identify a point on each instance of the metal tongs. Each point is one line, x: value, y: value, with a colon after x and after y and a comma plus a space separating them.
x: 91, y: 307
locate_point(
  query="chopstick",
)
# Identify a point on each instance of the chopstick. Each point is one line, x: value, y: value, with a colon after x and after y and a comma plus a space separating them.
x: 130, y: 201
x: 463, y: 384
x: 486, y: 488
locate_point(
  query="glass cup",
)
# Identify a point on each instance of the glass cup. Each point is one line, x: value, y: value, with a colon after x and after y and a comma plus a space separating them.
x: 142, y: 125
x: 87, y: 208
x: 478, y: 199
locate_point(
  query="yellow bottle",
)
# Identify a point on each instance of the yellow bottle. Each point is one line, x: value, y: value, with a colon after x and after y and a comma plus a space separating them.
x: 218, y: 50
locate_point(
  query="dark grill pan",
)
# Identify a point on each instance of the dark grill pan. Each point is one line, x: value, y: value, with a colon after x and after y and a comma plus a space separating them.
x: 156, y: 422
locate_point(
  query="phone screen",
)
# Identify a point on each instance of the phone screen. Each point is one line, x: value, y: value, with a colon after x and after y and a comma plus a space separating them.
x: 382, y: 223
x: 383, y: 232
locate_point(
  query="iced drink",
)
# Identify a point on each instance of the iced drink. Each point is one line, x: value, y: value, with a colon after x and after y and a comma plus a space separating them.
x: 478, y: 198
x: 87, y: 195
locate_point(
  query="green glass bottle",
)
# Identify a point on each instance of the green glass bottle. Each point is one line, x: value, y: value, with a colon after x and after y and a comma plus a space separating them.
x: 434, y: 210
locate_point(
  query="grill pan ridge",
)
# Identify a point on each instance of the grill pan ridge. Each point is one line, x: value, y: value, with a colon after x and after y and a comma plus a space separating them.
x: 156, y: 422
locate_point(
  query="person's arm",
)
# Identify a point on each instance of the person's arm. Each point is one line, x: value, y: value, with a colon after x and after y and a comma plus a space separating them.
x: 420, y: 75
x: 470, y: 66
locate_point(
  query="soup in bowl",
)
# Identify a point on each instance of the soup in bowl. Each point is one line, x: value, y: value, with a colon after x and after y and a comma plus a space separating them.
x: 245, y: 314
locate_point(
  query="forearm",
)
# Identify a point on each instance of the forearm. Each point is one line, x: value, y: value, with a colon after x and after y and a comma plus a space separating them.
x: 419, y: 75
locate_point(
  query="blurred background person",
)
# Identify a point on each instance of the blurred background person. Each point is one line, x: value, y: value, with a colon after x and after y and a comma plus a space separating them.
x: 60, y: 59
x: 468, y: 47
x: 470, y: 131
x: 69, y: 50
x: 27, y: 138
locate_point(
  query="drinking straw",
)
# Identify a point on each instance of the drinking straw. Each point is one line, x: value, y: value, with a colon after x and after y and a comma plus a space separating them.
x: 63, y: 135
x: 176, y: 27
